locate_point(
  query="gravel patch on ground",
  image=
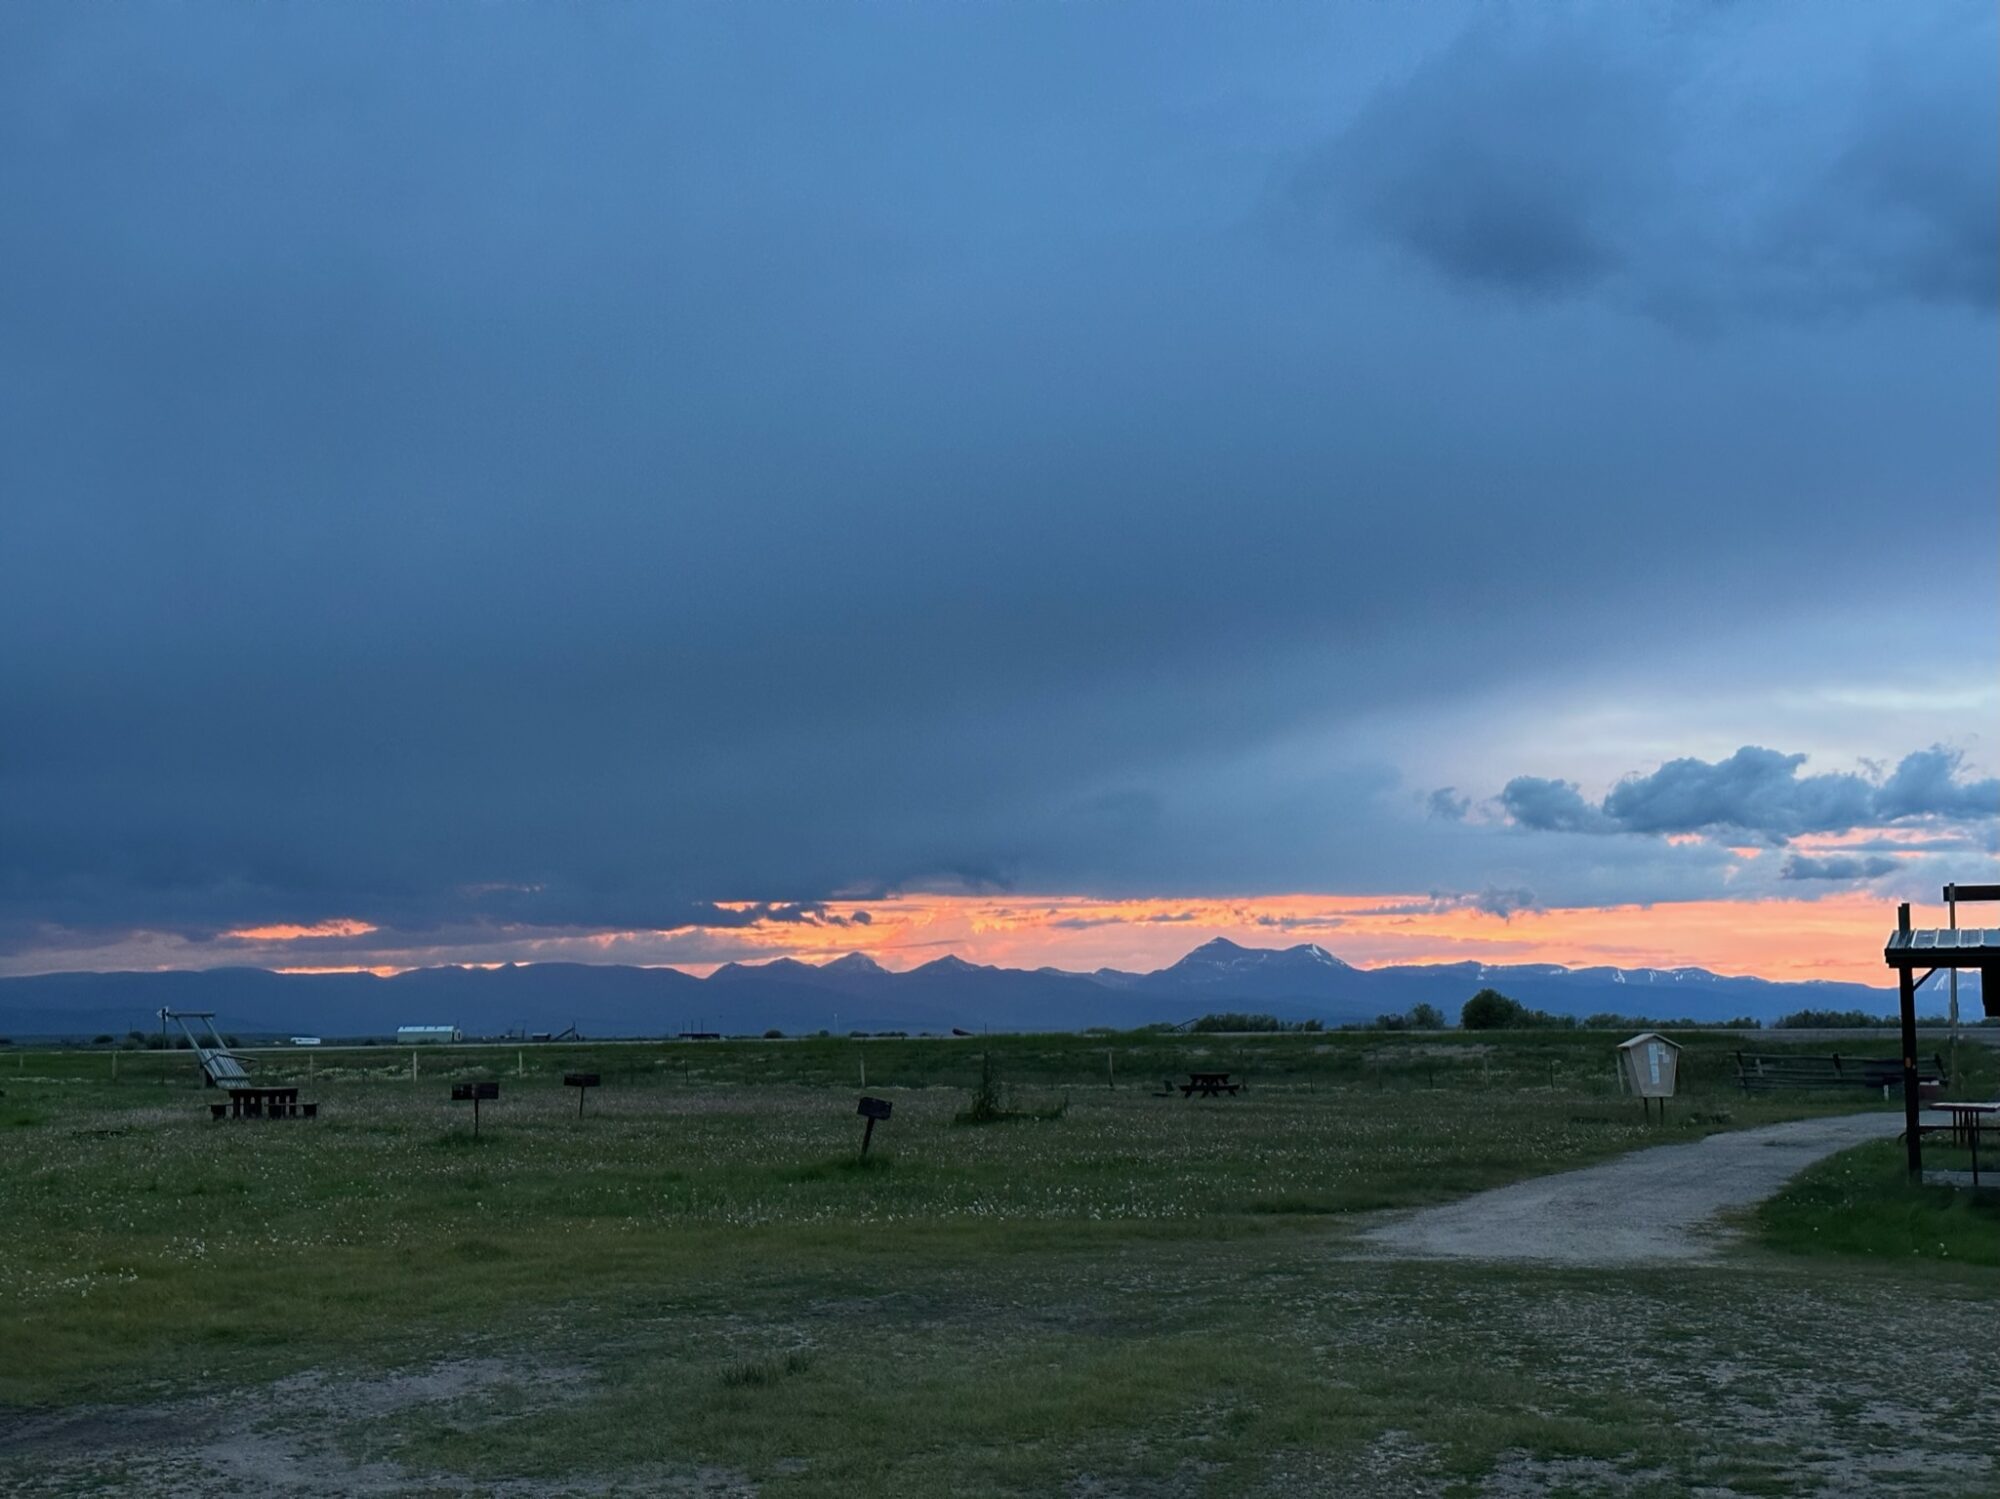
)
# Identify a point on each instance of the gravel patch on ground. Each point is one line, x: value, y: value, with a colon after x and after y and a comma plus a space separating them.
x: 1650, y: 1206
x: 297, y: 1437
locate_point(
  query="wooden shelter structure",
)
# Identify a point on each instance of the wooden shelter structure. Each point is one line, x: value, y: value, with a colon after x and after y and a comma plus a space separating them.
x: 1935, y: 950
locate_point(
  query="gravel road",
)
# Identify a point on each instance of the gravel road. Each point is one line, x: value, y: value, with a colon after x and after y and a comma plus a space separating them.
x: 1649, y: 1206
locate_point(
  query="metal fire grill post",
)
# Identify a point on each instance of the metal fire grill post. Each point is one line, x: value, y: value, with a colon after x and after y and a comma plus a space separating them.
x: 872, y: 1109
x: 580, y: 1081
x: 473, y: 1093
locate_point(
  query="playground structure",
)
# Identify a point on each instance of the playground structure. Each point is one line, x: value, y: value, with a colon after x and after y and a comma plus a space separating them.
x: 222, y: 1068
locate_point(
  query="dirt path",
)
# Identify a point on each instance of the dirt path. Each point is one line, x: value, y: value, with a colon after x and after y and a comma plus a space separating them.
x: 1652, y: 1205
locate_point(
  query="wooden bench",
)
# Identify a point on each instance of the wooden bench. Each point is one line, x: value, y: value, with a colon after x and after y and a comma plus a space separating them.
x: 1765, y: 1072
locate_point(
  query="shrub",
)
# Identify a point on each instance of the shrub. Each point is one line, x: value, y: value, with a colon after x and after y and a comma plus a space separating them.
x: 993, y: 1102
x: 1489, y: 1010
x: 1426, y: 1018
x: 989, y: 1102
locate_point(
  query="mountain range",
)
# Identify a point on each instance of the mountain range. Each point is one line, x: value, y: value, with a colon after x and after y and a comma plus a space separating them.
x: 854, y: 992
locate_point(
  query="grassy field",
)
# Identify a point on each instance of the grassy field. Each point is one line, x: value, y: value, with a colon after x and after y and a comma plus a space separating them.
x: 700, y: 1287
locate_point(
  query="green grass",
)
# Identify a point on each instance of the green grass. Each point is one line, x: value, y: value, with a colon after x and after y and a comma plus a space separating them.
x: 702, y: 1272
x: 1862, y: 1203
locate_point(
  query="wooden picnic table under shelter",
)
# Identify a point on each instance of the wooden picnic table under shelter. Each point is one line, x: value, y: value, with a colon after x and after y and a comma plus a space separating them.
x: 1937, y: 950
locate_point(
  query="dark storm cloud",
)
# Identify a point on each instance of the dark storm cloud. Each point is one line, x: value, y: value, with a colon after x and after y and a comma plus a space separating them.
x: 1836, y: 867
x: 563, y: 467
x: 1501, y: 162
x: 1758, y: 792
x: 1551, y: 152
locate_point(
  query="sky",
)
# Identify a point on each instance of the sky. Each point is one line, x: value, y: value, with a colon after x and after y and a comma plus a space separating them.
x: 1051, y: 482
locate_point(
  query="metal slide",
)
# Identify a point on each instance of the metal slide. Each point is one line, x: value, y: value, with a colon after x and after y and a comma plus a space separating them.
x: 219, y: 1065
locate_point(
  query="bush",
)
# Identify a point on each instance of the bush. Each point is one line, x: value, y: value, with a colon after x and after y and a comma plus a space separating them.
x: 1426, y: 1018
x: 993, y: 1102
x: 774, y: 1035
x: 1490, y: 1010
x: 100, y: 1040
x: 989, y: 1100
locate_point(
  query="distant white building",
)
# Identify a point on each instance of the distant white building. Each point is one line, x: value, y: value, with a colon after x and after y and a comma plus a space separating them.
x: 412, y: 1034
x: 305, y: 1040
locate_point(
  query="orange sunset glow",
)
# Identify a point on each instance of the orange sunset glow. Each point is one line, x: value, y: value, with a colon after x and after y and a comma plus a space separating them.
x: 1836, y: 938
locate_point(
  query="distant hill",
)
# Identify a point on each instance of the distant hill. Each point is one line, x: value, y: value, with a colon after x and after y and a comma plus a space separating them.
x: 1304, y: 982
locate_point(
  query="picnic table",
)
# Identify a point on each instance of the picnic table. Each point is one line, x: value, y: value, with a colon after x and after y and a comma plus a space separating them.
x: 1208, y: 1085
x: 1967, y: 1121
x: 263, y: 1103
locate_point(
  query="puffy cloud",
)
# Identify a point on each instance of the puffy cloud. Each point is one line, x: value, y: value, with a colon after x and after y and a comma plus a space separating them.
x: 1447, y: 805
x: 1502, y: 902
x: 1552, y: 807
x: 1759, y: 793
x: 1926, y: 784
x: 1756, y: 790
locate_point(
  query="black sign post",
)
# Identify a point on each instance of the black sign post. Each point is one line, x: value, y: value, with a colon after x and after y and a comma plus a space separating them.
x: 580, y: 1081
x: 872, y: 1109
x: 472, y: 1093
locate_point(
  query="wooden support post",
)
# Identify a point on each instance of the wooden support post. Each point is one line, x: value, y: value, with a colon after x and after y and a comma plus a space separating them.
x: 867, y: 1134
x: 1906, y: 991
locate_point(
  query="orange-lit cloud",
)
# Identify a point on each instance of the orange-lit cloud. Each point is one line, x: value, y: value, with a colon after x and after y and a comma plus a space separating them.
x: 379, y: 972
x: 286, y: 932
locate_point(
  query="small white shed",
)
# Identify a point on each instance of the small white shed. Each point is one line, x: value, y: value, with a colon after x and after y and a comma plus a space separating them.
x: 1650, y: 1065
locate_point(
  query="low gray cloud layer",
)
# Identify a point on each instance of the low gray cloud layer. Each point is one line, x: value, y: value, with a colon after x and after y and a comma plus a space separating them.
x: 1836, y: 867
x: 557, y: 468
